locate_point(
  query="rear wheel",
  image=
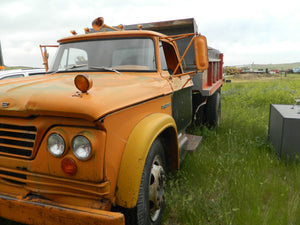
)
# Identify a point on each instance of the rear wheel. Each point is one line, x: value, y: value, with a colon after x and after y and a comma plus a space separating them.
x: 213, y: 110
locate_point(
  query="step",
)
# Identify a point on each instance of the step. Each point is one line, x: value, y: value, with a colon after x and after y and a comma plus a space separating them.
x: 189, y: 142
x: 193, y: 142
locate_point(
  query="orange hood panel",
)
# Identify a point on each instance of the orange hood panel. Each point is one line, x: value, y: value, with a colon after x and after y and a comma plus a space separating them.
x: 56, y: 95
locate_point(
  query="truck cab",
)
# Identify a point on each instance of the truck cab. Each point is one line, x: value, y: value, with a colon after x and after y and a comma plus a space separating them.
x: 92, y: 140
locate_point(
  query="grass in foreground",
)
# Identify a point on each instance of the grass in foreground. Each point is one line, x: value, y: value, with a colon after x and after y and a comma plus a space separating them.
x: 235, y: 177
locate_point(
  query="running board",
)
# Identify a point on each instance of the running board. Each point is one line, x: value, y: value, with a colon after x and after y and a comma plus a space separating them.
x: 193, y: 142
x: 188, y: 142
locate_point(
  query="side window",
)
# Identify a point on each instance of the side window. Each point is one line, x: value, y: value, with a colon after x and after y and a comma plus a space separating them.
x: 170, y: 57
x: 163, y: 61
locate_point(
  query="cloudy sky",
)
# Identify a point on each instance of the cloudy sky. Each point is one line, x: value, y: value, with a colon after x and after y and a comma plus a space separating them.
x: 256, y: 31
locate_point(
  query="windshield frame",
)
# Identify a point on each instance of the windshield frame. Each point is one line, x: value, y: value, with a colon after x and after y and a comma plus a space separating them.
x: 93, y: 67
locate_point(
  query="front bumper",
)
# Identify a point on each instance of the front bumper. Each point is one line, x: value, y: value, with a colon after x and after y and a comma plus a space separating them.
x: 40, y: 211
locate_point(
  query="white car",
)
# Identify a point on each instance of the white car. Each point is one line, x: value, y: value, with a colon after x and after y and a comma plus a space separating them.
x: 8, y: 74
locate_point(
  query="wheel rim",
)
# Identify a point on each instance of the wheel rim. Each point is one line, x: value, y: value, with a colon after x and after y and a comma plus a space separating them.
x: 157, y: 185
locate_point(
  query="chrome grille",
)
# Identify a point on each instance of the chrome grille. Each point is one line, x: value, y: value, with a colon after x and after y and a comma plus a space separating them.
x: 17, y: 140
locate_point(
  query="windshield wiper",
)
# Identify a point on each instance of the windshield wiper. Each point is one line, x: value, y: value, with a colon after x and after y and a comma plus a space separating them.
x: 75, y: 66
x: 105, y: 68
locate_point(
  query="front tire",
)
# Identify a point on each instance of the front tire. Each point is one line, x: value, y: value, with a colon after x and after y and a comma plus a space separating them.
x: 151, y: 199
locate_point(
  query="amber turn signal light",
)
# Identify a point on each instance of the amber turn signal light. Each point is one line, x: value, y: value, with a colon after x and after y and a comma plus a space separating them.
x: 83, y: 82
x: 73, y: 32
x: 69, y: 166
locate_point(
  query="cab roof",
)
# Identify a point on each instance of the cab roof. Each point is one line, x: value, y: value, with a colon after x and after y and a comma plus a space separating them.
x: 111, y: 34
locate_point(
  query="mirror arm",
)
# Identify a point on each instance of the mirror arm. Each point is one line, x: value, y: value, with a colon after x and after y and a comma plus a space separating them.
x: 187, y: 48
x: 177, y: 37
x: 188, y: 80
x: 183, y: 74
x: 45, y: 54
x: 45, y: 57
x: 191, y: 74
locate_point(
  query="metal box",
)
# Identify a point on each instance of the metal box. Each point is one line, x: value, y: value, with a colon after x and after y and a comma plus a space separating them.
x: 284, y: 130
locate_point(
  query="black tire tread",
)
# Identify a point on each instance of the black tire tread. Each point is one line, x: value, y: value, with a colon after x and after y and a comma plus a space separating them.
x: 213, y: 110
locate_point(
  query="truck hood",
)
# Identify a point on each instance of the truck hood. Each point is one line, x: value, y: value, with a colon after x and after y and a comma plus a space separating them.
x: 56, y: 95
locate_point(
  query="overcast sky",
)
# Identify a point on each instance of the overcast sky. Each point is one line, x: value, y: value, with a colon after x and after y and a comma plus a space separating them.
x: 255, y: 31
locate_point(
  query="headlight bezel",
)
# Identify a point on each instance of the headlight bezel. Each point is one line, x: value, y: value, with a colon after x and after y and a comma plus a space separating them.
x: 77, y: 149
x: 59, y: 140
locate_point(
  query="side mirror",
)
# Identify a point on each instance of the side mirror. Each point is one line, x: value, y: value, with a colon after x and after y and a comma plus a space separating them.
x: 201, y: 54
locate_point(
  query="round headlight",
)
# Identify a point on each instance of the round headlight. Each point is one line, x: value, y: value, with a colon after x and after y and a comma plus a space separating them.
x: 56, y: 145
x: 81, y: 147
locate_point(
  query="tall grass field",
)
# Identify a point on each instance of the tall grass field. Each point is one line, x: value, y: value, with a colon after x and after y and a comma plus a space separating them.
x: 235, y: 177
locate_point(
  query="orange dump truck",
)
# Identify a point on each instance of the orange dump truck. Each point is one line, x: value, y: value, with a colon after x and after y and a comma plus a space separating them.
x: 91, y: 141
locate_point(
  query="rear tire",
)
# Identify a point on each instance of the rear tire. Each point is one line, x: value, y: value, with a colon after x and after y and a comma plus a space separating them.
x: 213, y: 110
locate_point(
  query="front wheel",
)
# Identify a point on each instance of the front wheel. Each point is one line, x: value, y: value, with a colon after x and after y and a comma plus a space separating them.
x: 151, y: 199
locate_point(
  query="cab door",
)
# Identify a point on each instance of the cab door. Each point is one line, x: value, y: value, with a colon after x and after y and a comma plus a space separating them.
x: 181, y: 86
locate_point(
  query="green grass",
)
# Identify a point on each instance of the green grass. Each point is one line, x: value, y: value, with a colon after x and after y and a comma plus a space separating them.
x: 235, y: 177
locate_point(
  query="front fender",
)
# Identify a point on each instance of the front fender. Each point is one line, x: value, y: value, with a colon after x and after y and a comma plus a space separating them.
x: 135, y: 154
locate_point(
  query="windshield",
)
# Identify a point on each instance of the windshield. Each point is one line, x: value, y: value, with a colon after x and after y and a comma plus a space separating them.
x: 130, y: 54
